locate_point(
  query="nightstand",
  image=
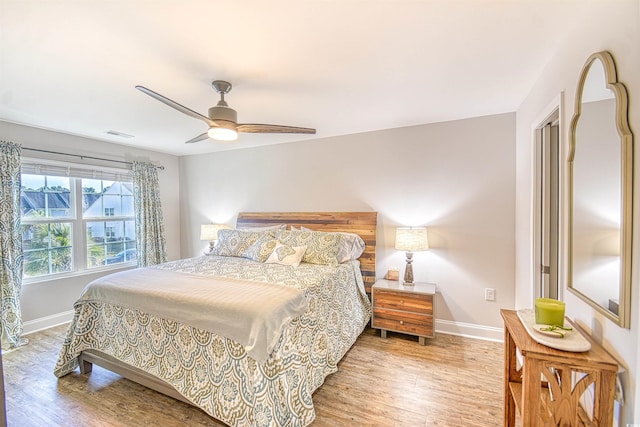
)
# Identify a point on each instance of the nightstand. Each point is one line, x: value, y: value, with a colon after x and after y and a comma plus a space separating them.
x: 406, y: 309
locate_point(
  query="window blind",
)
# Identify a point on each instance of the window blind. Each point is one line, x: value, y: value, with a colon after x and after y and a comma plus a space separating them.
x: 73, y: 170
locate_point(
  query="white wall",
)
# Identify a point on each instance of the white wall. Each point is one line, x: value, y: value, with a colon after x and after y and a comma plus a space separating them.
x: 48, y: 302
x: 457, y: 178
x: 612, y: 26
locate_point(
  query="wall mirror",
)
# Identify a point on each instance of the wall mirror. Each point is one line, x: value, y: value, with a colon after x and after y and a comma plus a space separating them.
x: 601, y: 191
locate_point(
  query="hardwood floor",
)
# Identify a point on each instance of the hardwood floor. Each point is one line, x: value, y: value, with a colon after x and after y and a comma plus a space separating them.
x: 452, y: 381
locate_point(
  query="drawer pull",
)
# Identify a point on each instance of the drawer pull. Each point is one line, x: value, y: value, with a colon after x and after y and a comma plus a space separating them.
x: 402, y: 322
x: 401, y: 301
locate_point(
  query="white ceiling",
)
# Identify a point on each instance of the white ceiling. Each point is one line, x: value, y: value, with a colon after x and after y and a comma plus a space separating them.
x: 341, y: 66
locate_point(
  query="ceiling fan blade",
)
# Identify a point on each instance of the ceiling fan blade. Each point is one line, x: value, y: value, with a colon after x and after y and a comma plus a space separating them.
x: 198, y: 138
x: 260, y: 128
x: 177, y: 106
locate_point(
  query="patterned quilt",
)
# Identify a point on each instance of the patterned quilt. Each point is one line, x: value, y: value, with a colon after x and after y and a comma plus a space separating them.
x: 215, y: 373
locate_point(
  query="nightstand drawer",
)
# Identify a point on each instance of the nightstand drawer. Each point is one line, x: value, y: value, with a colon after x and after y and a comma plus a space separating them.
x: 403, y: 301
x: 402, y: 321
x: 408, y: 309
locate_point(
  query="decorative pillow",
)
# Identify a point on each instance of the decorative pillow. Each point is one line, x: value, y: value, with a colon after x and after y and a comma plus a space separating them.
x: 286, y: 255
x: 322, y: 248
x: 351, y: 247
x: 261, y: 249
x: 237, y: 242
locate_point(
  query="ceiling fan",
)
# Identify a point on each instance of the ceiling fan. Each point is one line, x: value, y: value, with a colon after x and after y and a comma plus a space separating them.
x: 223, y: 120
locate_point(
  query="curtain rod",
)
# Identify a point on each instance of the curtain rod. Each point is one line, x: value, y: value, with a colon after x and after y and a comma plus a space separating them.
x: 84, y: 157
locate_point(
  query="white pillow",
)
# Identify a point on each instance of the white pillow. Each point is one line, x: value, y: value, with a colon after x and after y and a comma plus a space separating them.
x: 286, y: 255
x: 351, y: 248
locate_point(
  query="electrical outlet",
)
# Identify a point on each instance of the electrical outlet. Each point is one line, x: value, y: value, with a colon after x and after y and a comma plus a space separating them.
x: 489, y: 294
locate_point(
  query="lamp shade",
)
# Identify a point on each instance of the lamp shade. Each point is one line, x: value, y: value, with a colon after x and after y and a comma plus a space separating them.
x: 411, y: 239
x: 209, y: 232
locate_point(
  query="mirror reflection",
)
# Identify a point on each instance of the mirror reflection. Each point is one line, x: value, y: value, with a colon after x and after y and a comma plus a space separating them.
x: 596, y: 194
x: 600, y: 189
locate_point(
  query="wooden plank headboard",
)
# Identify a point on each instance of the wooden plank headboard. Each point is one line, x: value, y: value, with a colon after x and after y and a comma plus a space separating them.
x: 361, y: 223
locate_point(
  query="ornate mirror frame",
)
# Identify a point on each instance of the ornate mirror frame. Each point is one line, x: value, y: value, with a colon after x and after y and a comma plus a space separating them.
x: 626, y: 183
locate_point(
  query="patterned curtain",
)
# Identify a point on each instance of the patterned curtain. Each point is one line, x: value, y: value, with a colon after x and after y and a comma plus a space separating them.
x: 10, y: 245
x: 150, y: 242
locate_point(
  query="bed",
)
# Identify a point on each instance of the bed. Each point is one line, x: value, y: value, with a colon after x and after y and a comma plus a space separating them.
x: 240, y: 381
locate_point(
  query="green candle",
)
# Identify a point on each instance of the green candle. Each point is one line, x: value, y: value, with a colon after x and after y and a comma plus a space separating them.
x: 549, y: 312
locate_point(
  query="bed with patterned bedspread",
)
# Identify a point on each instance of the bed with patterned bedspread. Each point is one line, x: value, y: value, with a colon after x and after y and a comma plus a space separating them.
x: 215, y: 373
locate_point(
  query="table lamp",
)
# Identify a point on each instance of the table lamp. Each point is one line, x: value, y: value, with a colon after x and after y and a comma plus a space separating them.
x: 209, y: 232
x: 411, y: 239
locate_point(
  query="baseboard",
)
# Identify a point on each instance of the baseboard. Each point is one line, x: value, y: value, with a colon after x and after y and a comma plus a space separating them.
x: 42, y: 323
x: 488, y: 333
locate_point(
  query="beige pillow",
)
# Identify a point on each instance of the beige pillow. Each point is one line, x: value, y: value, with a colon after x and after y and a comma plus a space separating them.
x: 351, y: 246
x: 261, y: 249
x: 237, y: 242
x: 322, y: 248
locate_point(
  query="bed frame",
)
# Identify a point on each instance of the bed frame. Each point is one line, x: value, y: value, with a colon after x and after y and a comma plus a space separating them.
x: 362, y: 223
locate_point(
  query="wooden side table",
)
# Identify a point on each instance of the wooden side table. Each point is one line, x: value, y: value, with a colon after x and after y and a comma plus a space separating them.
x: 406, y: 309
x: 548, y: 389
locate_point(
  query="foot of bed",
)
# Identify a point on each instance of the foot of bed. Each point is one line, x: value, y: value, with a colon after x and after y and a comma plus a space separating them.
x: 85, y: 367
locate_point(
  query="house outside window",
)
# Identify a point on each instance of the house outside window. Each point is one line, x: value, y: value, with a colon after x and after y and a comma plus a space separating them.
x: 109, y: 232
x: 74, y: 224
x: 110, y: 237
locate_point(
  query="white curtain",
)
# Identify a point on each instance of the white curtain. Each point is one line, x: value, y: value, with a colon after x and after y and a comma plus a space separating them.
x: 150, y: 241
x: 10, y: 245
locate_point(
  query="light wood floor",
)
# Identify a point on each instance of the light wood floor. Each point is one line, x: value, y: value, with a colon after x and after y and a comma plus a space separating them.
x: 452, y: 381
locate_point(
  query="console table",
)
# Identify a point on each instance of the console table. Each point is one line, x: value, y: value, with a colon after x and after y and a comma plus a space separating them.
x: 549, y: 388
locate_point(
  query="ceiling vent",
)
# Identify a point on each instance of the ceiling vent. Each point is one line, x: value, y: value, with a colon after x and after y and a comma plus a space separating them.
x: 118, y: 134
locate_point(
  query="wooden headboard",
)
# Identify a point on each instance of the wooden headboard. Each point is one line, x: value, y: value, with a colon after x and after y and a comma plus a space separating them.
x: 361, y: 223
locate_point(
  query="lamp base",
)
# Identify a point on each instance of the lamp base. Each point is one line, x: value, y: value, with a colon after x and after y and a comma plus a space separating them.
x: 408, y: 272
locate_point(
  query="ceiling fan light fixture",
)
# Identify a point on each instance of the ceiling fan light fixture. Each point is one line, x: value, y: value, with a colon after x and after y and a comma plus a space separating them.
x: 223, y: 120
x: 222, y: 134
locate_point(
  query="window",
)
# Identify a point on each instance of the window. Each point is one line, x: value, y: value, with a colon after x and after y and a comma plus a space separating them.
x: 72, y: 224
x: 46, y: 206
x: 110, y: 237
